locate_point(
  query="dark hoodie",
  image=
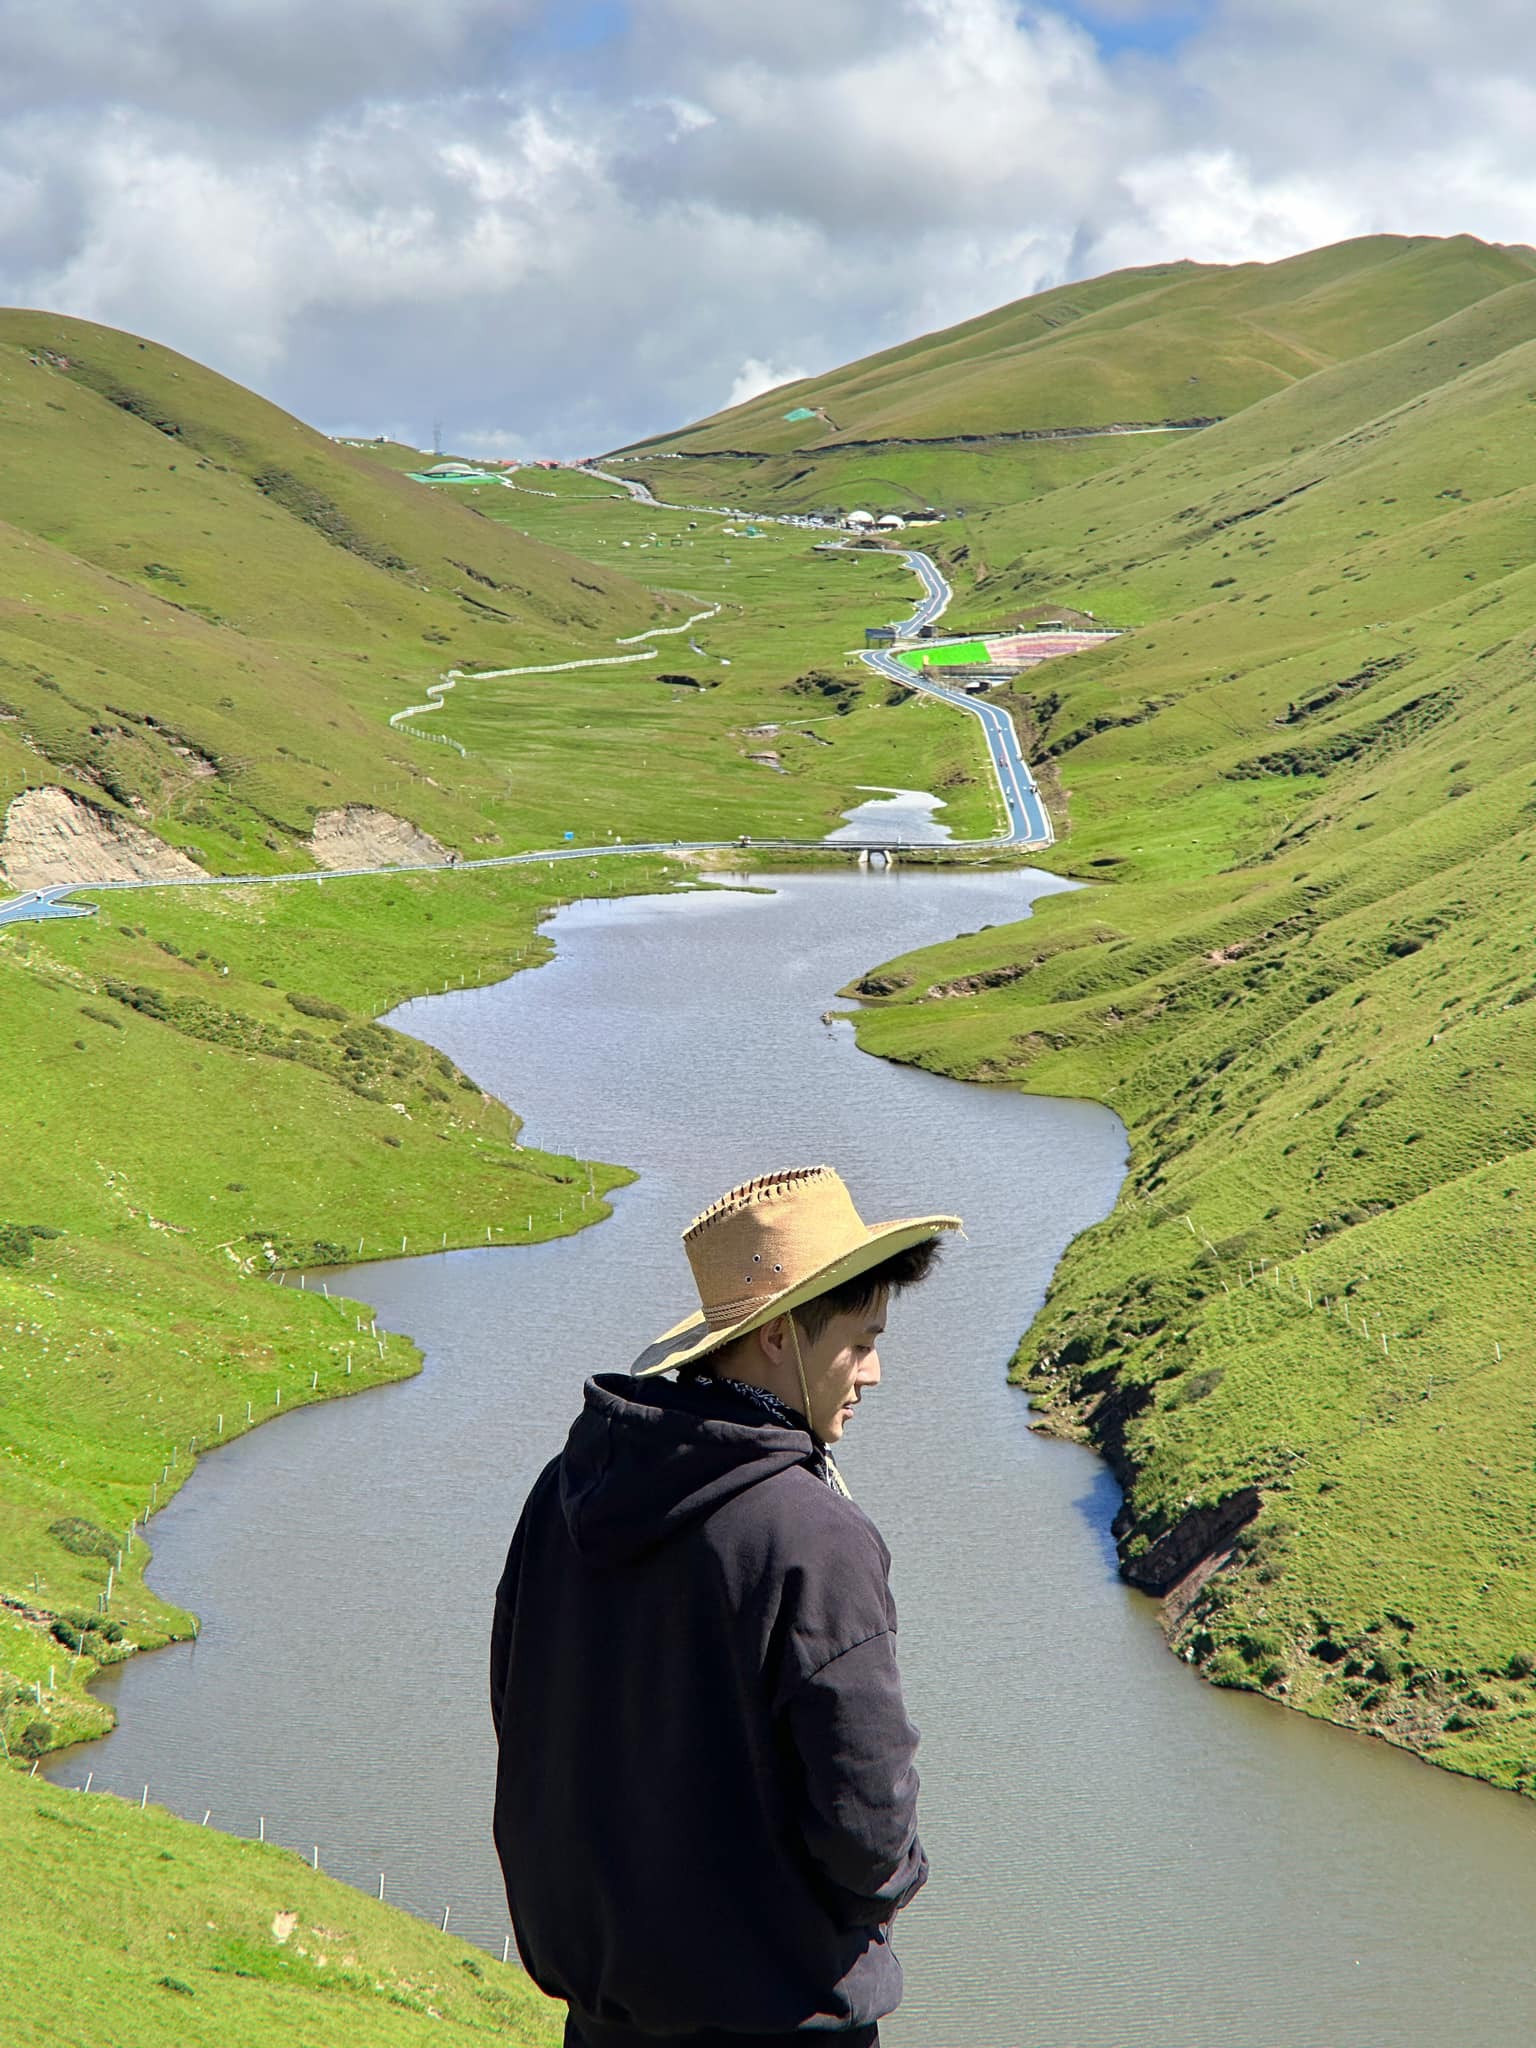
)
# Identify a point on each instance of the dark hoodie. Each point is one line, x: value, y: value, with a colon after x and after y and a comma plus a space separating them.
x: 705, y: 1804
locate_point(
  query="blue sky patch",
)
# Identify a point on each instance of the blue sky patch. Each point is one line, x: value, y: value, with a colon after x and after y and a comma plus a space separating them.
x: 1155, y: 30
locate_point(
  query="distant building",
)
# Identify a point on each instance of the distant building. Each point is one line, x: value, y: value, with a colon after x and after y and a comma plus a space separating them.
x: 890, y: 522
x: 451, y: 469
x: 879, y: 636
x: 862, y: 519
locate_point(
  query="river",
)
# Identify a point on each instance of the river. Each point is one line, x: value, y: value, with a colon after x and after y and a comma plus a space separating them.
x: 1121, y: 1855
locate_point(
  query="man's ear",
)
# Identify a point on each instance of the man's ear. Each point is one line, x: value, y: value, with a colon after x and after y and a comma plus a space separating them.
x: 773, y: 1340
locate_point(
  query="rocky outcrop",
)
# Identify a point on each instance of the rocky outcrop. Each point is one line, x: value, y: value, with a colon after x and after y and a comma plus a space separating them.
x: 976, y: 984
x: 358, y: 836
x: 53, y: 836
x: 1201, y: 1533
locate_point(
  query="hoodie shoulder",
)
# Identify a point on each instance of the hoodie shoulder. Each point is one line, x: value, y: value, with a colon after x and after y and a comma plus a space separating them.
x: 831, y: 1562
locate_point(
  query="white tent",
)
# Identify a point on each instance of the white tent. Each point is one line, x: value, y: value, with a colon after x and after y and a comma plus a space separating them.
x: 861, y: 518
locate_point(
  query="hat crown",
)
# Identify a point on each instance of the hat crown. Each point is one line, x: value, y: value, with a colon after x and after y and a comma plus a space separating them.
x: 768, y: 1235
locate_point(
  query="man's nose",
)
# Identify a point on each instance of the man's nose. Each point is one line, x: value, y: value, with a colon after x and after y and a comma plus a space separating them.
x: 868, y: 1374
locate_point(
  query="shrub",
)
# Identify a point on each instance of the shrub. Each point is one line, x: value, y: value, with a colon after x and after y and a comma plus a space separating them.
x: 35, y: 1739
x: 84, y: 1538
x: 15, y: 1244
x: 1197, y: 1386
x: 100, y: 1016
x: 317, y: 1006
x: 1228, y: 1668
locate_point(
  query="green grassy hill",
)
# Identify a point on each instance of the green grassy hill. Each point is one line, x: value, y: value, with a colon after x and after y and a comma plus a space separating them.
x: 1303, y: 789
x: 1170, y: 343
x: 211, y: 610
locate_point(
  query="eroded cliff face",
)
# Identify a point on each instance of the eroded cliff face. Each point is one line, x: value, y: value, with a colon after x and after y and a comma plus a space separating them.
x: 358, y: 836
x: 52, y: 836
x: 1199, y: 1538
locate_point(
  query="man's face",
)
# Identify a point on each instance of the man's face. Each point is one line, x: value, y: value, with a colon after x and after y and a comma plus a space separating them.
x: 840, y: 1364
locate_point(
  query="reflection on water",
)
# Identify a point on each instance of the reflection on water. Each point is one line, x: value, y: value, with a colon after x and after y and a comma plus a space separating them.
x: 1121, y: 1855
x: 897, y: 816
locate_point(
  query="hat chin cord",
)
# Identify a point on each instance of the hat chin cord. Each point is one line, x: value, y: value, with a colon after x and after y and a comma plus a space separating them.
x: 835, y: 1478
x: 805, y: 1392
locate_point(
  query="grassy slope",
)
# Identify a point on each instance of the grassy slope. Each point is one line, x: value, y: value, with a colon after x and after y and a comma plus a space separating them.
x: 187, y: 567
x: 1308, y: 777
x: 905, y: 477
x: 1171, y: 342
x: 135, y: 1930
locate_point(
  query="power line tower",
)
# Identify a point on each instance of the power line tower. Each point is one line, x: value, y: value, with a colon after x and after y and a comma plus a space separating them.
x: 437, y: 437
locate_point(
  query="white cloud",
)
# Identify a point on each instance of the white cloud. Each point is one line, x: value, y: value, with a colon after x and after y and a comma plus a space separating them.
x: 379, y: 209
x: 755, y: 377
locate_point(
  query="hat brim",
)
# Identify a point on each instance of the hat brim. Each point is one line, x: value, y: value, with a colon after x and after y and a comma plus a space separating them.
x: 693, y: 1338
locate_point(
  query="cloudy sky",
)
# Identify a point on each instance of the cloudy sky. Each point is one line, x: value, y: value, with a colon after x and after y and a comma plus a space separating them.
x: 556, y: 225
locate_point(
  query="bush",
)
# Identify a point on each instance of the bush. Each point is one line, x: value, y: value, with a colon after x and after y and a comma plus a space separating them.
x: 36, y: 1739
x: 100, y: 1016
x: 15, y: 1244
x: 84, y: 1538
x: 1228, y: 1668
x: 317, y: 1006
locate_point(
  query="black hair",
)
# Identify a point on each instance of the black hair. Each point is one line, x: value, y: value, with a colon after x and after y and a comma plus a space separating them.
x: 901, y: 1270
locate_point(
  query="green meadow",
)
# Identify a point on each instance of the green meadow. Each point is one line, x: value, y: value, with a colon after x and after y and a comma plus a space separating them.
x: 212, y: 612
x: 768, y: 725
x: 142, y: 1323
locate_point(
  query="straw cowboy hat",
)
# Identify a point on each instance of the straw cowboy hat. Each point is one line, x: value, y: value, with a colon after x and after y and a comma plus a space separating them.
x: 767, y: 1247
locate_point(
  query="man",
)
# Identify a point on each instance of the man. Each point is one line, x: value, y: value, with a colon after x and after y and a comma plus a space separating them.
x: 705, y: 1803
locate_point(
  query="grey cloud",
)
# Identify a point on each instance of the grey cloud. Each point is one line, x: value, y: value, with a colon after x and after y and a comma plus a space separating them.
x: 233, y: 65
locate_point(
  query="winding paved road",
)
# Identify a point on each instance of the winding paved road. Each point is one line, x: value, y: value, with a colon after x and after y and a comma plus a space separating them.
x: 1029, y: 823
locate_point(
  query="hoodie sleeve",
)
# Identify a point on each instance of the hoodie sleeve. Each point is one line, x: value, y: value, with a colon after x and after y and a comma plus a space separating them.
x: 858, y: 1783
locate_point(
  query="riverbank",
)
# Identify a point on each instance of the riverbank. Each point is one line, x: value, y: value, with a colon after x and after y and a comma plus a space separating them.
x: 1301, y: 1341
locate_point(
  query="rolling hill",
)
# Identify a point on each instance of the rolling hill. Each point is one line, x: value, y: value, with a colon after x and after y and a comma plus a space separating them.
x: 211, y: 610
x: 1022, y: 399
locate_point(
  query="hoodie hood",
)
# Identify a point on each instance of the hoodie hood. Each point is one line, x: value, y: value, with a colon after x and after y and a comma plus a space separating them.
x: 646, y: 1459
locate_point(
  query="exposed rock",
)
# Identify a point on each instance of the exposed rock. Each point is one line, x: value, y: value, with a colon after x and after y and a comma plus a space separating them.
x: 1196, y: 1536
x: 975, y: 984
x: 358, y: 836
x: 52, y: 836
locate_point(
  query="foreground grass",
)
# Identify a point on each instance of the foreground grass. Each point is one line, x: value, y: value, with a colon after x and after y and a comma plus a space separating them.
x: 1304, y: 786
x: 135, y: 1930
